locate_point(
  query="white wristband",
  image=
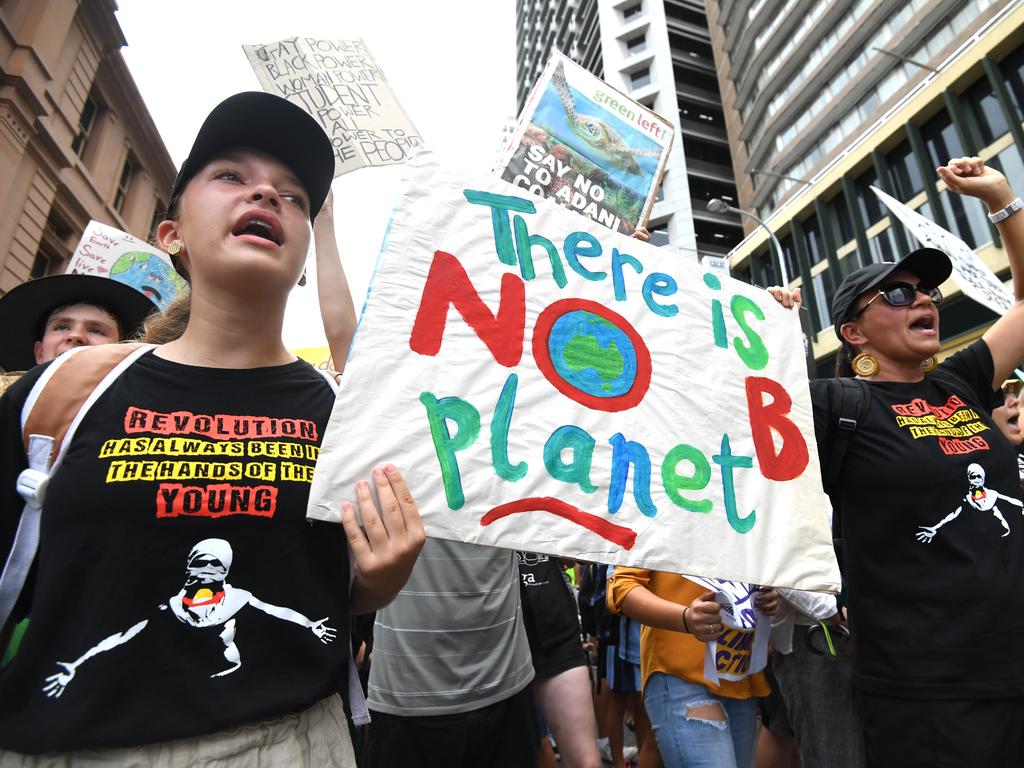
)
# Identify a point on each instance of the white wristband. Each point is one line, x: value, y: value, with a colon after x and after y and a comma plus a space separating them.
x: 1004, y: 213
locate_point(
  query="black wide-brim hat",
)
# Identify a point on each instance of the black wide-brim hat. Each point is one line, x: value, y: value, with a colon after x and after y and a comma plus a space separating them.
x: 25, y: 308
x: 931, y: 266
x: 262, y: 121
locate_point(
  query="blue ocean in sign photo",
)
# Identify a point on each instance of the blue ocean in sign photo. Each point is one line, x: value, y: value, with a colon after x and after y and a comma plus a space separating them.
x: 601, y: 137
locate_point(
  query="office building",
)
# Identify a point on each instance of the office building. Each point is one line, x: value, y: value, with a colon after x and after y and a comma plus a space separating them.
x: 658, y: 52
x: 841, y: 111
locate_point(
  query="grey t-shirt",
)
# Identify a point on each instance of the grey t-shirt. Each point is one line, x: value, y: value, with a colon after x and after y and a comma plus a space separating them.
x: 453, y: 639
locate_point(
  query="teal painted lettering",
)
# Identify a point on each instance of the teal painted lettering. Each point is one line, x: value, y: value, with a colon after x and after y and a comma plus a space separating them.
x: 467, y: 420
x: 717, y: 314
x: 583, y: 244
x: 660, y: 284
x: 624, y: 453
x: 728, y: 462
x: 500, y: 205
x: 499, y: 433
x: 752, y: 352
x: 581, y: 444
x: 618, y: 283
x: 525, y: 243
x: 696, y: 481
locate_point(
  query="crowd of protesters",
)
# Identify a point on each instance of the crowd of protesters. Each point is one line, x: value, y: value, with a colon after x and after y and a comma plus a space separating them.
x: 127, y: 641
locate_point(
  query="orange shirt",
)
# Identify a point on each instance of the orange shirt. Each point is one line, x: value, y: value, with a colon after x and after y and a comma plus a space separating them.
x: 674, y: 653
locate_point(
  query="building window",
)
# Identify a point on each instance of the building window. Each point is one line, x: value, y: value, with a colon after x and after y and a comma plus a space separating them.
x: 43, y: 265
x: 661, y: 189
x: 904, y: 172
x: 640, y: 78
x: 159, y: 214
x: 789, y: 254
x: 867, y: 201
x: 123, y: 183
x: 815, y: 244
x: 637, y: 44
x: 941, y: 139
x: 632, y: 11
x: 659, y: 234
x: 989, y: 115
x: 86, y: 121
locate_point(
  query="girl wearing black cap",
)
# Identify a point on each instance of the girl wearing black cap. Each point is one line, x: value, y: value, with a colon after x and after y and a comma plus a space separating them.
x: 184, y: 611
x: 936, y: 608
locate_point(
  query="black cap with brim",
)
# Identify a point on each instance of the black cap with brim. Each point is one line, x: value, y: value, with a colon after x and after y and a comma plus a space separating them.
x: 931, y: 266
x: 270, y: 124
x: 25, y: 308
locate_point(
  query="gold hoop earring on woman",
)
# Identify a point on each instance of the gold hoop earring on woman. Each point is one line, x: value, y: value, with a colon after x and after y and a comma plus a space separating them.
x: 930, y: 364
x: 865, y: 365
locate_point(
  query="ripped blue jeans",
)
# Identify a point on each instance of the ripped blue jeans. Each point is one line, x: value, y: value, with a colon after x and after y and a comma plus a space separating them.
x: 686, y: 741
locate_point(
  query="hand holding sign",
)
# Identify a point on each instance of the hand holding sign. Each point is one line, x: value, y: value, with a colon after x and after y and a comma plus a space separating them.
x: 386, y: 546
x: 704, y: 617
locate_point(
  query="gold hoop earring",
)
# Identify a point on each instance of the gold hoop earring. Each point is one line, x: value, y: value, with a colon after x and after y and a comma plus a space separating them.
x: 174, y: 248
x: 930, y: 364
x: 865, y: 365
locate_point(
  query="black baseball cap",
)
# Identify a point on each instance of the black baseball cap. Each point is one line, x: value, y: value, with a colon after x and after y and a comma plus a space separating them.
x: 25, y: 308
x: 270, y: 124
x: 931, y: 266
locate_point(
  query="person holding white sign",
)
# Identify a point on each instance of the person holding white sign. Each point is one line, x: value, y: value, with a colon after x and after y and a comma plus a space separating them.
x: 200, y: 452
x: 696, y: 722
x: 936, y: 620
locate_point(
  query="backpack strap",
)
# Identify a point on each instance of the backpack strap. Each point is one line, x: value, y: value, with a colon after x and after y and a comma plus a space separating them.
x: 52, y: 412
x: 359, y: 711
x: 849, y: 403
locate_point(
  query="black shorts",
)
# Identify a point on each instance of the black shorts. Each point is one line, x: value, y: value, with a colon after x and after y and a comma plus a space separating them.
x: 502, y: 735
x: 958, y: 733
x: 549, y: 616
x: 772, y: 708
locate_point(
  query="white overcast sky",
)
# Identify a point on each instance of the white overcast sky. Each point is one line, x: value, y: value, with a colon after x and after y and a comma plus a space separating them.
x: 451, y: 64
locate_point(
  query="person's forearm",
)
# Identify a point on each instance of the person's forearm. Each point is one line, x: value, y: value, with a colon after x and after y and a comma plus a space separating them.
x: 1011, y: 230
x: 336, y: 307
x: 647, y: 608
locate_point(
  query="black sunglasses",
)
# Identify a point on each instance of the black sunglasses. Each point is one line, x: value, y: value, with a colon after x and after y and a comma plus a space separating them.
x: 902, y: 295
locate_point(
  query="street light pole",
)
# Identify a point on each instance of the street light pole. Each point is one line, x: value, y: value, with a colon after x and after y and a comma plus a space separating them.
x: 718, y: 205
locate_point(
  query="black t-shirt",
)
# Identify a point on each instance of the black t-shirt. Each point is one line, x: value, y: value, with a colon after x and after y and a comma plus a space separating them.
x: 179, y: 588
x: 934, y: 536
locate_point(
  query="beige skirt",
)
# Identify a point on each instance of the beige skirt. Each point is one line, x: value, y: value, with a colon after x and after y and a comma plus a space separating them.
x: 314, y: 738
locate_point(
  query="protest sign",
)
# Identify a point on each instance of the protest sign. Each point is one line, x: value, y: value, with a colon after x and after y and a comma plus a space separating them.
x: 549, y: 385
x: 741, y: 648
x: 108, y: 252
x: 589, y: 147
x: 339, y: 83
x: 969, y: 272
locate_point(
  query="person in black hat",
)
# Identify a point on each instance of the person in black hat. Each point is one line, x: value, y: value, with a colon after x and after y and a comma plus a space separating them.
x: 46, y: 317
x: 210, y: 438
x: 936, y: 620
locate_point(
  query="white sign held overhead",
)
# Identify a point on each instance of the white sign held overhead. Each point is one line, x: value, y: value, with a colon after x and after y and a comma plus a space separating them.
x: 969, y: 272
x: 340, y: 84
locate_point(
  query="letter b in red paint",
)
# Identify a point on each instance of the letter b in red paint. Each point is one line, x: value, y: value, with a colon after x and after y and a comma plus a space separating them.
x: 768, y: 417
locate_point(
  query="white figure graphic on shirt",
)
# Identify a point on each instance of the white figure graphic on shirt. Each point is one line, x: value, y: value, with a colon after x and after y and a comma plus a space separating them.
x: 206, y: 600
x: 979, y: 497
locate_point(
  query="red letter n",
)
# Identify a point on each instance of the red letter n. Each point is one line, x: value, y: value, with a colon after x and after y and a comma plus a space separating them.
x: 448, y: 284
x: 766, y: 419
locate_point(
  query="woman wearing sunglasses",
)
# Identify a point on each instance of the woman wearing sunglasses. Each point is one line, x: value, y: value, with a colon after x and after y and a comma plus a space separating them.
x: 936, y: 618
